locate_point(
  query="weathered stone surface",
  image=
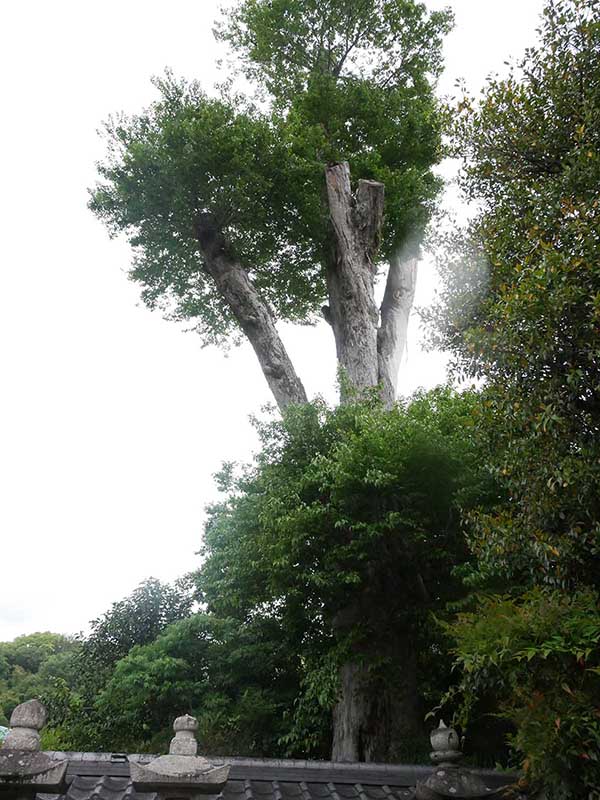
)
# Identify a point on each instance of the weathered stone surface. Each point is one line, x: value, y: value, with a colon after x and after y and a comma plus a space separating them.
x: 185, y: 723
x: 192, y: 771
x: 29, y: 768
x: 445, y: 744
x: 448, y: 779
x: 184, y: 742
x: 31, y: 714
x: 21, y: 763
x: 16, y: 763
x: 25, y: 722
x: 22, y: 739
x: 181, y: 746
x: 181, y: 766
x: 453, y: 782
x: 182, y: 771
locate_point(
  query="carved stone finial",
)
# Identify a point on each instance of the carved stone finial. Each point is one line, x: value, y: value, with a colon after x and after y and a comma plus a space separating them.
x: 184, y: 742
x: 446, y: 745
x: 448, y: 779
x: 182, y: 774
x: 25, y: 724
x: 21, y: 762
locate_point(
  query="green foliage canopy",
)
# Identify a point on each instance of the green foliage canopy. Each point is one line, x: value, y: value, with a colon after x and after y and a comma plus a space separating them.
x: 75, y: 720
x: 238, y: 680
x: 258, y: 170
x: 287, y: 45
x: 333, y: 489
x: 136, y: 620
x: 150, y: 658
x: 355, y: 508
x: 541, y: 657
x: 521, y: 312
x: 521, y: 306
x: 29, y: 664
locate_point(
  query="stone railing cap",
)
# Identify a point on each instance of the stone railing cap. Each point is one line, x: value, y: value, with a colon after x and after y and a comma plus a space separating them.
x: 182, y: 767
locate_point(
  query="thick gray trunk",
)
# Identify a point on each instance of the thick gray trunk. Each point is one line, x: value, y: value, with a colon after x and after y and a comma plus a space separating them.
x: 377, y: 720
x: 395, y: 312
x: 368, y: 721
x: 356, y: 221
x: 251, y: 312
x: 350, y: 716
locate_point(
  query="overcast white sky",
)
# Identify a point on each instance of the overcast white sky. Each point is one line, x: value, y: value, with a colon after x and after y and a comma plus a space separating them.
x: 112, y: 421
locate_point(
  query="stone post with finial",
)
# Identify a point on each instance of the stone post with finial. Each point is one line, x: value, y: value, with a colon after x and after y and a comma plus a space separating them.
x: 24, y: 770
x: 448, y: 779
x: 181, y: 774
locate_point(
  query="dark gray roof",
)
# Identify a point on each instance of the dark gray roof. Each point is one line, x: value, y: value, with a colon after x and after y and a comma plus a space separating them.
x: 101, y: 776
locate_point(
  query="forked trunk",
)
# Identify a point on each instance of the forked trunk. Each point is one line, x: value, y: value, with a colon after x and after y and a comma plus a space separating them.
x: 395, y: 312
x: 371, y: 716
x: 356, y: 223
x: 251, y: 312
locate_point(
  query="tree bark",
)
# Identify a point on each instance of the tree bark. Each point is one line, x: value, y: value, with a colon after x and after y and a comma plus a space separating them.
x: 395, y: 312
x: 356, y: 224
x: 350, y: 715
x: 378, y: 719
x: 250, y: 311
x: 367, y: 719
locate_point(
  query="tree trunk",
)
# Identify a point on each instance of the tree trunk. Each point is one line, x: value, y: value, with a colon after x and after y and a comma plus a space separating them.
x: 356, y: 223
x: 395, y: 312
x: 251, y: 313
x: 350, y: 715
x: 377, y: 719
x: 371, y: 716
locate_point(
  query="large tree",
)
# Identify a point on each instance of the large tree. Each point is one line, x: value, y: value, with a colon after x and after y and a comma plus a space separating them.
x: 244, y: 213
x: 241, y: 215
x: 522, y: 311
x: 521, y: 304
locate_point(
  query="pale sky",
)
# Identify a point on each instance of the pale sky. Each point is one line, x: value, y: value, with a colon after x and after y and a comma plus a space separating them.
x: 112, y: 420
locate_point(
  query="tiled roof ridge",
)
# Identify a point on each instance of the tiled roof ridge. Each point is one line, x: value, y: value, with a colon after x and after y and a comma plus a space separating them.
x: 241, y: 761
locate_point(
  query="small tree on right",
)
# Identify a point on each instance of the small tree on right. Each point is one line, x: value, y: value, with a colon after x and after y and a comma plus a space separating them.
x: 521, y: 309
